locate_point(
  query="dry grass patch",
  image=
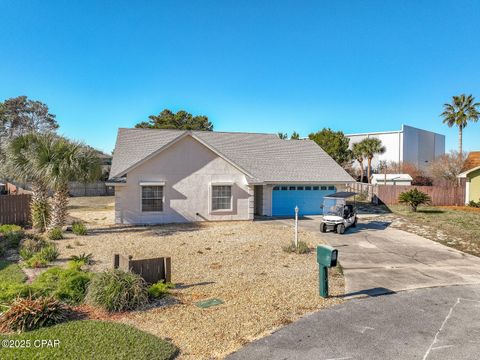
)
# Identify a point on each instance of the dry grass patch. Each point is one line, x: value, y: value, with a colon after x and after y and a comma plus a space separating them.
x: 241, y: 263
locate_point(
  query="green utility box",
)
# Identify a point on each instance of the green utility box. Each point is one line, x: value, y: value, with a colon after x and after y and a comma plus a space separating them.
x: 326, y: 258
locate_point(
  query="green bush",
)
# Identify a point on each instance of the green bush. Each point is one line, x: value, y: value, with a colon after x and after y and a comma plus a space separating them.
x: 301, y: 249
x: 49, y: 252
x: 5, y: 228
x: 159, y: 289
x: 79, y: 228
x: 31, y: 245
x: 474, y: 204
x: 29, y: 314
x: 12, y: 235
x: 414, y: 198
x: 69, y: 285
x: 41, y: 258
x: 117, y: 290
x: 55, y: 234
x: 85, y: 259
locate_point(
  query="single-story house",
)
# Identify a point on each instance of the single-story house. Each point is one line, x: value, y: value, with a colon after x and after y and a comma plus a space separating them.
x: 471, y: 172
x: 166, y: 176
x: 391, y: 179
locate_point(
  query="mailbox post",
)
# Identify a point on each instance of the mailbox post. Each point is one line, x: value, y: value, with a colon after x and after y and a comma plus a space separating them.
x: 326, y: 258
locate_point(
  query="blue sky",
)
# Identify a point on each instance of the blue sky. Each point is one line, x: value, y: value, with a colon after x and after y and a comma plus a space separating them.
x: 259, y: 66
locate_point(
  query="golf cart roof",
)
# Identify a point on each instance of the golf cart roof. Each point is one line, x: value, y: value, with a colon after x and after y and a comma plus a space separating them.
x: 340, y: 195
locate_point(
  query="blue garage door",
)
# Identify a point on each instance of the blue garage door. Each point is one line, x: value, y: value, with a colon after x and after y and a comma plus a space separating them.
x: 308, y: 198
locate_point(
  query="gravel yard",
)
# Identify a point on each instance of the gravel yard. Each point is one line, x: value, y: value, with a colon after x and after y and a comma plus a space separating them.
x: 241, y: 263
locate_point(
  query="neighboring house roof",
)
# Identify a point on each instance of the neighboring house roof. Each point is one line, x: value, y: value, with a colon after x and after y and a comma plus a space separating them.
x: 472, y: 161
x: 465, y: 173
x: 262, y: 157
x: 392, y: 177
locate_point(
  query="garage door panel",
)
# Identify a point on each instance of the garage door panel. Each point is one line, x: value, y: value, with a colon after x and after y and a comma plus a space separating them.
x: 308, y: 198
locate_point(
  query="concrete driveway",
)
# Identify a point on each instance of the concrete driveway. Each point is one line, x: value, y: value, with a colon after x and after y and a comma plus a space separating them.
x: 437, y: 316
x: 377, y: 258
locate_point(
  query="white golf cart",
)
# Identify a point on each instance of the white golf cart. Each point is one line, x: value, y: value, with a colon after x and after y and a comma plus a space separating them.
x: 337, y: 215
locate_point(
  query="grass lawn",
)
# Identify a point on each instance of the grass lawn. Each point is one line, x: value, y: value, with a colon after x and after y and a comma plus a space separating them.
x: 90, y: 340
x: 11, y: 273
x: 457, y: 227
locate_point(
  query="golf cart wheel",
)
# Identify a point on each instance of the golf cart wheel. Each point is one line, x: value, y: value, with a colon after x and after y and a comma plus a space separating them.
x: 355, y: 222
x: 323, y: 227
x: 340, y: 229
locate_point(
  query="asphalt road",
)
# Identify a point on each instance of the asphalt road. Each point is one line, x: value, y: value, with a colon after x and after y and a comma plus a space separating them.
x: 432, y: 323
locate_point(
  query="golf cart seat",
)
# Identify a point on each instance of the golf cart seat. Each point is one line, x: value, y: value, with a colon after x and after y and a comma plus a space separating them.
x: 347, y: 211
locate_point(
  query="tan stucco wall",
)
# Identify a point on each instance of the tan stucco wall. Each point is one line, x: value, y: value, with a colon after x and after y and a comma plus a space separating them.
x: 474, y: 179
x: 188, y: 169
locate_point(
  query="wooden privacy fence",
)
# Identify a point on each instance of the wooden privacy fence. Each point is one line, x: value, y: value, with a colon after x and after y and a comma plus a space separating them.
x: 152, y: 270
x: 441, y: 196
x: 15, y: 209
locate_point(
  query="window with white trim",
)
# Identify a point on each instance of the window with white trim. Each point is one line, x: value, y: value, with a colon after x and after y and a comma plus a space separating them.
x: 152, y: 198
x: 221, y: 197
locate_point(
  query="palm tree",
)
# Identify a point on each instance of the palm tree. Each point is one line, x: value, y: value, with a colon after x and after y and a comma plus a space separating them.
x: 295, y: 136
x: 21, y: 153
x: 371, y: 147
x: 462, y: 110
x: 359, y: 155
x: 282, y: 136
x: 60, y: 161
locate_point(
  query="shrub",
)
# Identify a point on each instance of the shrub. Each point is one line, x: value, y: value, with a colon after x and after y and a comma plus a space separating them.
x: 41, y: 258
x: 414, y: 198
x: 31, y: 245
x: 68, y: 285
x: 79, y: 228
x: 12, y: 235
x: 6, y: 228
x: 36, y: 261
x: 29, y: 314
x: 49, y: 252
x: 85, y: 259
x: 117, y: 290
x: 159, y: 289
x: 55, y: 234
x: 474, y: 204
x: 302, y: 248
x: 363, y: 196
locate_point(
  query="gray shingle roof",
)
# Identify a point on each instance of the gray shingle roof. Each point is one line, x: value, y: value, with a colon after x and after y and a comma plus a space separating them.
x: 264, y: 156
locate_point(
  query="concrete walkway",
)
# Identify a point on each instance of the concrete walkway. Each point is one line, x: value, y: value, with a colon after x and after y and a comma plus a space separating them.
x: 378, y: 259
x: 426, y: 324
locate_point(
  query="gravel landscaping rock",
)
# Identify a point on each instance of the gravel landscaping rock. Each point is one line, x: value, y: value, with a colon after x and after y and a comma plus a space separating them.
x: 240, y: 263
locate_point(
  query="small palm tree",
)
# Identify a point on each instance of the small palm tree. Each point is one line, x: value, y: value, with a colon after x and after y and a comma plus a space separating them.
x: 371, y: 147
x: 414, y: 198
x: 359, y: 155
x: 462, y: 110
x: 21, y: 156
x: 60, y: 161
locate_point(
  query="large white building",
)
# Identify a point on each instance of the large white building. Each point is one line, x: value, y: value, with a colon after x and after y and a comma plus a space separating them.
x: 408, y: 145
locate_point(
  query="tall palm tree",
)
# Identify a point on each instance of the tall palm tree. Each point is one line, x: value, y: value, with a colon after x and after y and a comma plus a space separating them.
x: 462, y: 110
x: 359, y: 155
x: 21, y: 153
x: 59, y: 161
x: 371, y: 147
